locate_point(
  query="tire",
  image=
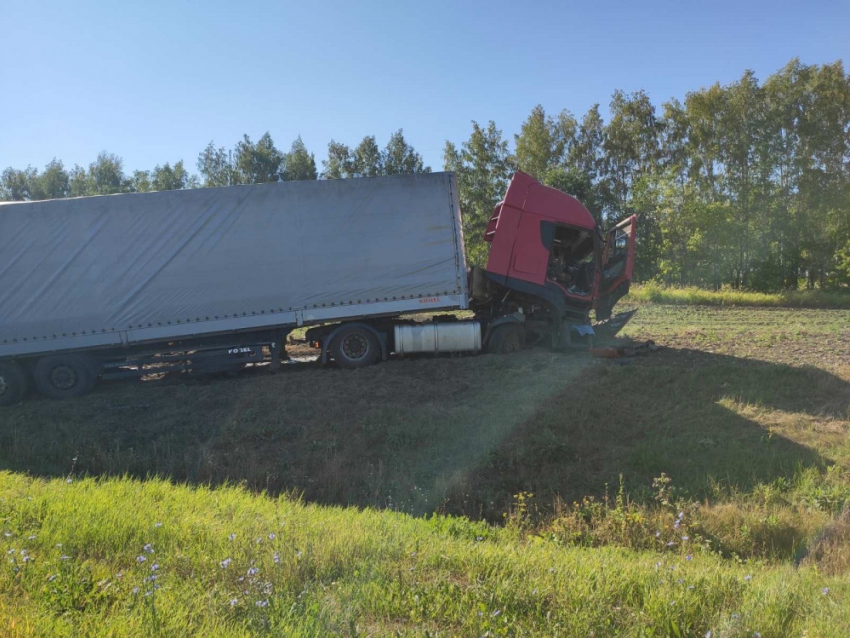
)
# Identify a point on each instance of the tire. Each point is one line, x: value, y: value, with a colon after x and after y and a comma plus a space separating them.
x: 355, y: 347
x: 64, y: 376
x: 506, y: 339
x: 14, y: 383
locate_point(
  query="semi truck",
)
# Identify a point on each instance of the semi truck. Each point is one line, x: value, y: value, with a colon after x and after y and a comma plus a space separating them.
x: 215, y: 279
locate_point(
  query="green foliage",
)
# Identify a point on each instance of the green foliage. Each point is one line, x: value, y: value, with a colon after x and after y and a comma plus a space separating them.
x: 299, y: 164
x: 483, y: 166
x: 257, y: 163
x: 367, y: 160
x: 235, y: 564
x: 691, y: 295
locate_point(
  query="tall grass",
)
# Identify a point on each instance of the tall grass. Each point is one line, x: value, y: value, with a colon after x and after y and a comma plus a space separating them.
x: 80, y: 556
x: 656, y: 293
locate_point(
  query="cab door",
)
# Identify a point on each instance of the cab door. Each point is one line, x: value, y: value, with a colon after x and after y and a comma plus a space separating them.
x: 618, y: 263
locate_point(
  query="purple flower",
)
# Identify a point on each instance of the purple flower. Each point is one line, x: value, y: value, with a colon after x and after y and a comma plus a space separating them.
x: 135, y: 590
x: 670, y: 544
x: 148, y: 548
x: 688, y: 557
x: 252, y: 571
x: 748, y: 577
x: 824, y: 591
x: 277, y: 557
x: 141, y: 559
x: 225, y: 563
x: 154, y: 567
x: 233, y: 601
x: 262, y: 603
x: 272, y: 536
x: 232, y: 537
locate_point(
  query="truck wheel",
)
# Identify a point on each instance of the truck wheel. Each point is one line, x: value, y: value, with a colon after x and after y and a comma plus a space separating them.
x: 355, y: 347
x: 14, y: 383
x: 63, y: 376
x: 507, y: 338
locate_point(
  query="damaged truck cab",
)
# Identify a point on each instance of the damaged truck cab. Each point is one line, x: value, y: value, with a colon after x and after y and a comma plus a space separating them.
x: 549, y: 266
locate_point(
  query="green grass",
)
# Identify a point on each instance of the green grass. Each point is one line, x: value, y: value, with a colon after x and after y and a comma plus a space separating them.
x: 349, y: 572
x: 552, y: 460
x: 654, y: 293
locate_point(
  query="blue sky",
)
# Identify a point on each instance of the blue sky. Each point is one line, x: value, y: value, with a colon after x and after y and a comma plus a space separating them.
x: 155, y: 81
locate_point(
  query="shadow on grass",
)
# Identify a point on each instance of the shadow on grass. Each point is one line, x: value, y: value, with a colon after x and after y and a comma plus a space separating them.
x: 459, y: 435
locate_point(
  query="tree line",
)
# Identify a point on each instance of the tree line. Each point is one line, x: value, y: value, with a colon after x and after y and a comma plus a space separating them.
x: 746, y: 185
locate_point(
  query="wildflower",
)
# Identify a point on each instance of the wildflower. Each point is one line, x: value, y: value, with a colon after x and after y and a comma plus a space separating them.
x: 690, y: 586
x: 824, y: 591
x: 748, y: 577
x: 58, y: 544
x: 119, y: 575
x: 11, y: 551
x: 708, y: 634
x: 658, y: 533
x: 241, y: 578
x: 51, y: 578
x: 31, y: 538
x: 277, y: 557
x: 252, y: 571
x: 756, y: 634
x: 272, y: 536
x: 225, y: 563
x: 259, y: 540
x: 735, y: 616
x: 686, y: 538
x: 479, y: 539
x: 657, y: 565
x: 262, y: 603
x: 141, y: 559
x: 232, y: 537
x: 157, y: 524
x: 7, y: 534
x: 64, y: 557
x: 533, y: 592
x: 551, y: 570
x: 670, y: 544
x: 411, y: 569
x: 688, y: 557
x: 69, y: 481
x: 677, y: 523
x: 135, y: 590
x: 298, y: 554
x: 148, y: 548
x: 496, y: 613
x: 24, y: 552
x: 233, y: 601
x: 27, y: 559
x: 680, y: 580
x: 681, y: 515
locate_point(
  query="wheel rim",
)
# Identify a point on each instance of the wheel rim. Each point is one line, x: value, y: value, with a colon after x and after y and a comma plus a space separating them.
x: 355, y: 346
x: 63, y: 377
x: 4, y: 385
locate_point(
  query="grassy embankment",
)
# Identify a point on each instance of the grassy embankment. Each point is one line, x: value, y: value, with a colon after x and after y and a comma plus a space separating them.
x: 654, y: 293
x: 745, y: 411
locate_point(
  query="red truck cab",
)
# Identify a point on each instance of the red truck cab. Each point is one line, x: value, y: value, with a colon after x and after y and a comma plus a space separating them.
x: 546, y: 245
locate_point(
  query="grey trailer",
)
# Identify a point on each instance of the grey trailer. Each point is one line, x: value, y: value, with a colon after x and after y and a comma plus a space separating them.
x: 102, y: 286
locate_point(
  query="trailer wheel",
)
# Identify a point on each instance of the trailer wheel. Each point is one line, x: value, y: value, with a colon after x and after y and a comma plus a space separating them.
x: 355, y: 347
x: 507, y: 338
x: 63, y: 376
x: 14, y: 383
